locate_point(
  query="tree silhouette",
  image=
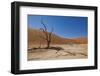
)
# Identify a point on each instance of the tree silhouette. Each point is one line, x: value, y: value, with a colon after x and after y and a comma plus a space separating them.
x: 47, y: 35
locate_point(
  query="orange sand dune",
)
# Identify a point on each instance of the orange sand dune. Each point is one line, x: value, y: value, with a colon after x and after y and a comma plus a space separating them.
x: 35, y: 37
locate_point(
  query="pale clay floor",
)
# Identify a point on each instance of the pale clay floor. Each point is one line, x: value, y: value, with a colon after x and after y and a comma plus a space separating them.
x: 76, y: 51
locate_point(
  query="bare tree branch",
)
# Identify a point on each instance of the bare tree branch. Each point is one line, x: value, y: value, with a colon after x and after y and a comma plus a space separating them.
x: 46, y: 33
x: 44, y: 25
x: 44, y: 29
x: 50, y: 34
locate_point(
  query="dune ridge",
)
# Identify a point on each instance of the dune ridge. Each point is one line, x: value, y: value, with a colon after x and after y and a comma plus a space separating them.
x: 35, y: 37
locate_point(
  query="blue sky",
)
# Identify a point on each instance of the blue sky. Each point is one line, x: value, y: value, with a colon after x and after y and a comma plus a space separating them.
x: 64, y: 26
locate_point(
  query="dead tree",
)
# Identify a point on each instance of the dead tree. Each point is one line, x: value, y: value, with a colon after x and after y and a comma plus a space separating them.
x: 47, y: 35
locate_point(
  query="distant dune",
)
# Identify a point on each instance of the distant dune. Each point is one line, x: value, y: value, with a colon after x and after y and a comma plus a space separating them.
x: 35, y: 37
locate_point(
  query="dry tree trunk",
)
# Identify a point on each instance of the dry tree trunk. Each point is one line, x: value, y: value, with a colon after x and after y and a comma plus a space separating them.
x: 47, y: 34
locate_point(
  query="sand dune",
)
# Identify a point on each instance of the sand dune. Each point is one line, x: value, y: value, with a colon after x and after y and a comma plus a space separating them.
x: 35, y: 37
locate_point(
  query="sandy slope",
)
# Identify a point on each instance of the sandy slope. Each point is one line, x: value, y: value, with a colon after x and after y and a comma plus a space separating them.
x: 75, y: 51
x: 36, y: 37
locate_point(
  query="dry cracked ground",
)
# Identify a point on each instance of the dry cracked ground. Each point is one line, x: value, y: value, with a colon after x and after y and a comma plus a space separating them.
x: 73, y: 51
